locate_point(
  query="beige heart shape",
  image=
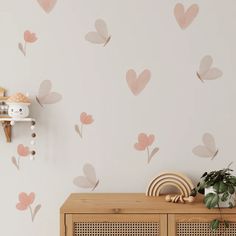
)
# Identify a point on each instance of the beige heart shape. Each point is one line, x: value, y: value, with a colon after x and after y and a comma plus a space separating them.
x: 47, y: 5
x: 183, y: 18
x: 137, y: 84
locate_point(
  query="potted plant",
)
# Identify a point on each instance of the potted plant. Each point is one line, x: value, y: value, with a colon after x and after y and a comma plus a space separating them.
x: 219, y: 189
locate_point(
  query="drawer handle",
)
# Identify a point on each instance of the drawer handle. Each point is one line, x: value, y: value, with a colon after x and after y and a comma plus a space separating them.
x: 116, y: 210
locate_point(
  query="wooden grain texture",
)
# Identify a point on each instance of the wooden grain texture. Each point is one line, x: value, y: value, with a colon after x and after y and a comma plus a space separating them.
x: 192, y: 219
x: 163, y: 225
x: 131, y: 203
x: 135, y: 207
x: 176, y: 179
x: 69, y: 225
x: 171, y: 225
x: 62, y: 224
x: 121, y: 220
x: 7, y: 130
x: 115, y: 217
x: 203, y: 217
x: 3, y: 98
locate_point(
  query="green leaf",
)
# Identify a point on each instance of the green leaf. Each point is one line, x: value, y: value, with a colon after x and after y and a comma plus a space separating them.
x: 225, y: 197
x: 204, y: 174
x: 220, y: 187
x: 226, y: 223
x: 231, y: 189
x: 216, y: 187
x: 193, y: 192
x: 201, y: 190
x: 211, y: 200
x: 233, y: 180
x: 214, y: 224
x: 209, y: 183
x: 231, y: 205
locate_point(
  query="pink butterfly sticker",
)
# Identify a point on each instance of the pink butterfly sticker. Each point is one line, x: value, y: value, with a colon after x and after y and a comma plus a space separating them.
x: 25, y: 202
x: 144, y: 143
x: 137, y: 83
x: 206, y: 71
x: 47, y: 5
x: 45, y: 96
x: 185, y: 18
x: 89, y: 179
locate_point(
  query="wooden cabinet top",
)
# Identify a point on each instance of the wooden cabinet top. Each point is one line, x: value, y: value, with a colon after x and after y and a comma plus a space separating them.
x: 131, y: 203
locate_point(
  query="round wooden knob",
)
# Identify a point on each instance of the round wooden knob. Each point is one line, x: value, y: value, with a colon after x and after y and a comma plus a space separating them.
x: 168, y: 198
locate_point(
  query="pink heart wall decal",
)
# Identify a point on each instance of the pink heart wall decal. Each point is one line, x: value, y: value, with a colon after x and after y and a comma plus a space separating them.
x: 47, y: 5
x: 137, y: 84
x: 185, y: 18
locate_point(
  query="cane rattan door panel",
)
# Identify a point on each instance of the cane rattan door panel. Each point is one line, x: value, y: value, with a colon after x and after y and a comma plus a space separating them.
x: 199, y: 224
x: 116, y: 225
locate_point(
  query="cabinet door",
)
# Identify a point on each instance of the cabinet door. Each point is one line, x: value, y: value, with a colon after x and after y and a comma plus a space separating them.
x: 116, y: 225
x: 199, y: 224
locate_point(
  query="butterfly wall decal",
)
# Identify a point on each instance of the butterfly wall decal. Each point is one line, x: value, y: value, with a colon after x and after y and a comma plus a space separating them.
x: 208, y: 149
x: 206, y: 71
x: 89, y: 179
x: 45, y: 96
x: 101, y: 35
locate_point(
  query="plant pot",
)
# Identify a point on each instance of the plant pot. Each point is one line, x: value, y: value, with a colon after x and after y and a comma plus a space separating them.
x: 222, y: 204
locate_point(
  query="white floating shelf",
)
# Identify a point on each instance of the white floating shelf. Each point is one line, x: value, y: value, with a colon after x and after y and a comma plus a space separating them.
x: 17, y: 120
x: 8, y: 122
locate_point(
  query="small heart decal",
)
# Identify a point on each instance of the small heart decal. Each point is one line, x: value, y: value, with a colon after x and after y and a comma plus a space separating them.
x: 185, y: 18
x: 47, y: 5
x: 137, y: 84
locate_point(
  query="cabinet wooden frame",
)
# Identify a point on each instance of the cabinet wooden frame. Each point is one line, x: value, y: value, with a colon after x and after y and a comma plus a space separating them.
x: 136, y: 207
x: 161, y: 219
x: 174, y: 219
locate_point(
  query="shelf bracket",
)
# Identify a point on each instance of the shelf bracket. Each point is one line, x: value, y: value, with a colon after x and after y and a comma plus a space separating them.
x: 7, y: 130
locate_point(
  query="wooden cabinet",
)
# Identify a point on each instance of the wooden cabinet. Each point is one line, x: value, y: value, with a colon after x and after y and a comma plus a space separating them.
x: 198, y: 224
x: 134, y: 214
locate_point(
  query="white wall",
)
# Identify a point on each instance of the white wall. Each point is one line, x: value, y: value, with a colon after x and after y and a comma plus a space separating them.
x: 175, y: 105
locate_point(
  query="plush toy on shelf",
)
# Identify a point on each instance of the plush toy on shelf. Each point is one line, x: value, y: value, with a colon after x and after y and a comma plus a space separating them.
x: 18, y: 106
x: 15, y: 109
